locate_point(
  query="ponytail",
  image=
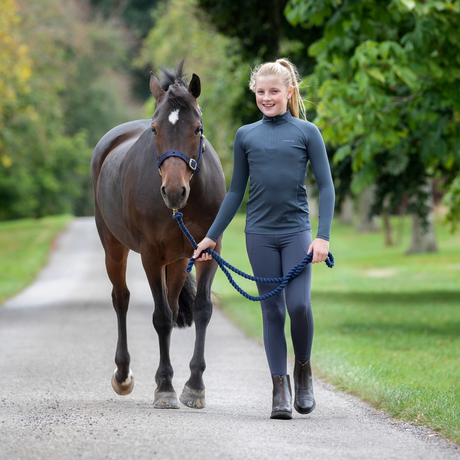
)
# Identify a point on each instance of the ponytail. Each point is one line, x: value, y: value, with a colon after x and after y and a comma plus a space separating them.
x: 295, y: 103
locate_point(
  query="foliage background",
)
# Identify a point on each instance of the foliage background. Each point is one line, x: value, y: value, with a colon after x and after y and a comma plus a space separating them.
x: 386, y: 88
x: 63, y: 93
x: 70, y: 71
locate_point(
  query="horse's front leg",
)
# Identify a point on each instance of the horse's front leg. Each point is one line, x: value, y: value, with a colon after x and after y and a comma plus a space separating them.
x: 115, y: 260
x: 165, y: 396
x: 193, y: 394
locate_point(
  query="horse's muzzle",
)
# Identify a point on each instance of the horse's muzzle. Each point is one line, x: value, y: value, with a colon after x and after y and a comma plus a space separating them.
x: 174, y: 197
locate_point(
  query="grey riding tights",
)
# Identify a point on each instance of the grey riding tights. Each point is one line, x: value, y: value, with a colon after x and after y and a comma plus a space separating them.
x: 272, y: 256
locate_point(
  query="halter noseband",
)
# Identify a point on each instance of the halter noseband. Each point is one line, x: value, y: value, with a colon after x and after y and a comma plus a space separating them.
x: 193, y: 164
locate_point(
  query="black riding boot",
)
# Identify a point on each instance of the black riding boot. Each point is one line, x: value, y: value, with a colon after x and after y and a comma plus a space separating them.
x: 282, y: 397
x: 304, y: 401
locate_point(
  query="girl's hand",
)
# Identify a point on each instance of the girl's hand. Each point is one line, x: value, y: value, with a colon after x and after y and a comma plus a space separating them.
x: 206, y: 243
x: 320, y: 250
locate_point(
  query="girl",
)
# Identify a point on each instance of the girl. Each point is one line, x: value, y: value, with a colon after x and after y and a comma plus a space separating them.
x: 273, y: 154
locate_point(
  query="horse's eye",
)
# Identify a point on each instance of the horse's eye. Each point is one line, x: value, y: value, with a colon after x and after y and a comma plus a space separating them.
x: 197, y: 130
x: 154, y: 131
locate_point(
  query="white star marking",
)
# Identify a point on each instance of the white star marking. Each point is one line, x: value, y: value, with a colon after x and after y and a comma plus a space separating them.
x: 174, y: 116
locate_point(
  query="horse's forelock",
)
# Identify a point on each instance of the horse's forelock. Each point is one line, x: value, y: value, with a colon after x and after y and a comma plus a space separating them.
x: 173, y: 76
x: 176, y: 88
x: 179, y: 96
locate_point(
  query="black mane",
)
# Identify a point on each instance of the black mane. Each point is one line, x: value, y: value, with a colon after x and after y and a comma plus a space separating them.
x: 176, y: 87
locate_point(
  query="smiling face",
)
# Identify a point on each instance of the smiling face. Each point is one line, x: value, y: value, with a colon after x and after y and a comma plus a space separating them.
x: 272, y: 95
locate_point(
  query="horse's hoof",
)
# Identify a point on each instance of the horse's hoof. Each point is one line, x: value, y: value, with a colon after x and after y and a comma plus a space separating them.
x: 193, y: 398
x: 123, y: 388
x: 165, y: 400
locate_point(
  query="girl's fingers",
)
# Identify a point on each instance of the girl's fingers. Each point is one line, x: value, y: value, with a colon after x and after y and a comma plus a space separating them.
x: 320, y: 250
x: 207, y: 243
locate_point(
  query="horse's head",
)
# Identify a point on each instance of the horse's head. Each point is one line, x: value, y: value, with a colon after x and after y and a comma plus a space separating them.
x: 177, y: 129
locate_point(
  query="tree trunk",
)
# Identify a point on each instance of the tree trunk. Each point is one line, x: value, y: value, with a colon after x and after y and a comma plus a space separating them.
x: 423, y: 239
x: 312, y: 200
x: 365, y: 201
x: 346, y: 211
x: 388, y: 230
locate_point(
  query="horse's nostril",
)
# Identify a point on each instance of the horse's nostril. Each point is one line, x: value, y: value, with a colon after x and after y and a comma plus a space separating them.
x: 163, y: 191
x: 184, y: 192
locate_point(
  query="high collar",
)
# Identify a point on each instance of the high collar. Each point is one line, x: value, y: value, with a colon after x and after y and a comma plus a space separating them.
x: 283, y: 118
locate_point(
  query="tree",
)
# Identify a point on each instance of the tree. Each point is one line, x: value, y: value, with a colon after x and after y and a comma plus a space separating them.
x: 62, y: 93
x: 136, y: 14
x: 137, y: 17
x: 15, y: 70
x: 386, y: 85
x: 179, y: 34
x: 452, y: 200
x: 259, y: 32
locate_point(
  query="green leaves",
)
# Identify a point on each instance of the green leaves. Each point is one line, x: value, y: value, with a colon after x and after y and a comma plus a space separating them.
x: 386, y: 84
x: 63, y: 95
x: 409, y: 4
x: 374, y: 72
x: 452, y: 200
x: 310, y: 12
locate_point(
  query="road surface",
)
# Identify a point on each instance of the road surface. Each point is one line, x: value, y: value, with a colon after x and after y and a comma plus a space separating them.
x: 58, y: 342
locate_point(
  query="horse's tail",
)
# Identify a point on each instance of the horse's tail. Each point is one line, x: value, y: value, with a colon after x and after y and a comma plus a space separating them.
x: 186, y: 299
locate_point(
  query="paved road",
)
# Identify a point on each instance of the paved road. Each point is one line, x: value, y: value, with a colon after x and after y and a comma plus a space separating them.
x: 56, y: 402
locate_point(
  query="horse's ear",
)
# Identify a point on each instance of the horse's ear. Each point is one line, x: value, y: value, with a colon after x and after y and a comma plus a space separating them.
x: 194, y: 87
x: 155, y: 87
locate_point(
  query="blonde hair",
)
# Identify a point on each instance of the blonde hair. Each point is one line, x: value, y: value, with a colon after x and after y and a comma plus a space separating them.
x: 289, y: 75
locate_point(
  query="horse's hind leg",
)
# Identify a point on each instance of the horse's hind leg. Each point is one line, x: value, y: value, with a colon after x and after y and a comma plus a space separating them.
x: 193, y: 394
x: 116, y: 256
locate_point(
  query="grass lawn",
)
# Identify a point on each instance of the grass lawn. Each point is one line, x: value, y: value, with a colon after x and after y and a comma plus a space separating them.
x: 387, y: 325
x: 24, y: 249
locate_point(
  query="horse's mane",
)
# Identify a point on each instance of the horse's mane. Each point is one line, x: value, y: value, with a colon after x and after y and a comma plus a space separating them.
x: 176, y: 87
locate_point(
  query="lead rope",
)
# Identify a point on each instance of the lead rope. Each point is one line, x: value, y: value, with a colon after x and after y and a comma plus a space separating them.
x: 223, y: 264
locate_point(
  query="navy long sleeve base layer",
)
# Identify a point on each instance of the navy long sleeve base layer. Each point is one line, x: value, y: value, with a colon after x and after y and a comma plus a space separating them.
x: 273, y: 154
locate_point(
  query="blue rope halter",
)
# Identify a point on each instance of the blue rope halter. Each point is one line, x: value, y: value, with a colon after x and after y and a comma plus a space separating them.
x: 223, y: 264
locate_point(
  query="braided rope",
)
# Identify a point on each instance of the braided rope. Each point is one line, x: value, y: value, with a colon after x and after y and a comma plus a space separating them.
x: 223, y: 264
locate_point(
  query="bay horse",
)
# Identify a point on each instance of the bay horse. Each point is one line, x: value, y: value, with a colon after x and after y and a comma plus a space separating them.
x: 134, y: 196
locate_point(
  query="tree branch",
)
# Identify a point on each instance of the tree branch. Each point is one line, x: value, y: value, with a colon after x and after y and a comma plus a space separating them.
x: 400, y: 101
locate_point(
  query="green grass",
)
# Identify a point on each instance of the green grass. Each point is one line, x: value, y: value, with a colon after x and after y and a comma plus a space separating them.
x: 24, y: 248
x: 387, y: 325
